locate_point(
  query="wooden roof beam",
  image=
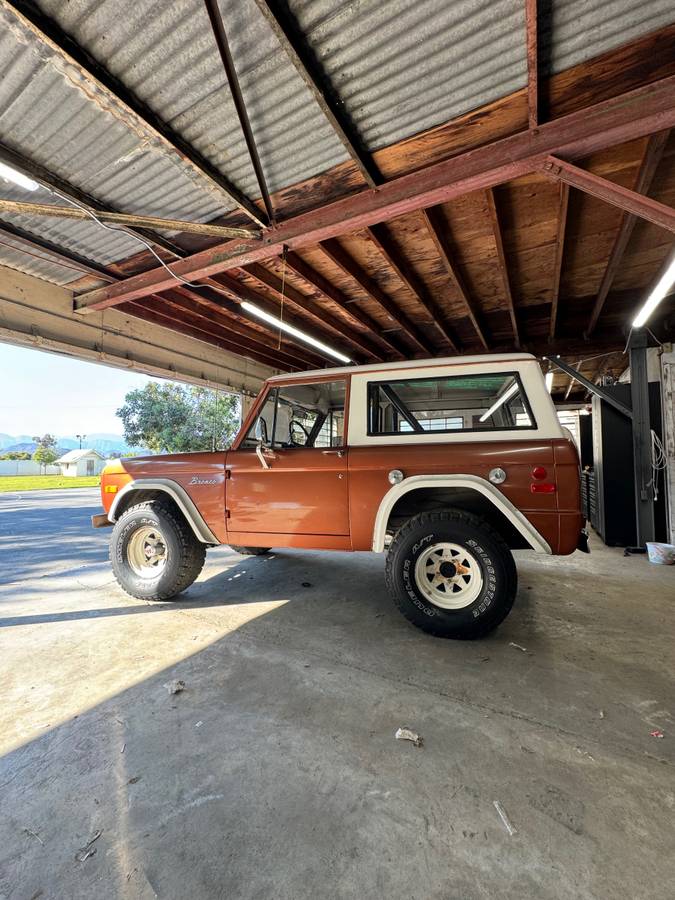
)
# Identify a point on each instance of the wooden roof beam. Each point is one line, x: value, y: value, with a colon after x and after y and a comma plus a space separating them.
x: 501, y: 261
x: 272, y: 281
x: 330, y: 292
x: 563, y: 204
x: 285, y: 27
x: 437, y: 233
x: 628, y: 116
x: 394, y: 258
x: 650, y: 161
x: 338, y: 255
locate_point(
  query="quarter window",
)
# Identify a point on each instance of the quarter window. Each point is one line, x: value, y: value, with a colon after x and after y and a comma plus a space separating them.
x: 446, y: 404
x: 301, y: 415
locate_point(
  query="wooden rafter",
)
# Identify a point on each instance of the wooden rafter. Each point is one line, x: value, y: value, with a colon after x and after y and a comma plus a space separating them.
x: 404, y: 270
x: 339, y: 256
x: 501, y: 261
x: 576, y: 135
x: 532, y: 63
x: 284, y: 25
x: 24, y: 208
x: 325, y: 320
x: 325, y: 287
x: 106, y: 90
x: 563, y: 203
x: 438, y: 236
x: 650, y: 161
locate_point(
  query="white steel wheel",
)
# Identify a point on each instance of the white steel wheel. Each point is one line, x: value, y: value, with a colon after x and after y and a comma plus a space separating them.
x: 147, y: 552
x: 448, y: 576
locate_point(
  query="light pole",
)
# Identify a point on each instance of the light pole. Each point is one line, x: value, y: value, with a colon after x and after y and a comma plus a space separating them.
x: 80, y: 438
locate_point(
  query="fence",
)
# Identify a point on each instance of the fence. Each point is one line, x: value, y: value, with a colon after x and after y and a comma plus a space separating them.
x: 25, y: 467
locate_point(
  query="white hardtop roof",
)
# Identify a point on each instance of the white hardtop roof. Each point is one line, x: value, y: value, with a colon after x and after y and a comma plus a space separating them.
x: 454, y: 361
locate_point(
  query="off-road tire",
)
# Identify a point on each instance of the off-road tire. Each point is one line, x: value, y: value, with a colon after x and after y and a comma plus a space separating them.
x: 185, y: 554
x: 489, y: 551
x: 250, y: 551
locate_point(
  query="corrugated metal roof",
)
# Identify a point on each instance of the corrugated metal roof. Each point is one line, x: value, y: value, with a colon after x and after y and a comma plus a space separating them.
x: 400, y: 67
x: 13, y: 253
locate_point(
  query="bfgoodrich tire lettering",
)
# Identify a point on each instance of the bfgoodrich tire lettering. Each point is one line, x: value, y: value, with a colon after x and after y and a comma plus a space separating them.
x: 482, y: 565
x: 159, y: 526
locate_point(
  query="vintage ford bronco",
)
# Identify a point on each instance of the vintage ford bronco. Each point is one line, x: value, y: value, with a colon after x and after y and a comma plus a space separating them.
x: 446, y: 465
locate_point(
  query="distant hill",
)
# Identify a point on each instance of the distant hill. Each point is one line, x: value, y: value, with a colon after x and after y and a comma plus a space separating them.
x: 106, y: 444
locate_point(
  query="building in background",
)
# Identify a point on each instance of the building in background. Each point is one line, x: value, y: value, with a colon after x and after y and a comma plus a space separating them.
x: 81, y: 462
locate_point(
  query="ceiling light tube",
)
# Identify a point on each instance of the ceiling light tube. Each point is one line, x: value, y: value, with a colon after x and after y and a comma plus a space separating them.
x: 499, y: 401
x: 659, y: 291
x: 295, y: 332
x: 18, y: 178
x: 549, y: 381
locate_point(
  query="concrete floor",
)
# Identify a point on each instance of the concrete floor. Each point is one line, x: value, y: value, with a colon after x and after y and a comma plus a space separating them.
x: 276, y: 774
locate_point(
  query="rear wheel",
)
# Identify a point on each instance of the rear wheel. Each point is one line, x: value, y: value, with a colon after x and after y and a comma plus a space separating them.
x: 451, y: 574
x: 154, y: 553
x: 250, y: 551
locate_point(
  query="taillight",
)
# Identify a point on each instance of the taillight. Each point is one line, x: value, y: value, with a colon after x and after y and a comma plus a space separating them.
x: 539, y: 472
x: 543, y: 487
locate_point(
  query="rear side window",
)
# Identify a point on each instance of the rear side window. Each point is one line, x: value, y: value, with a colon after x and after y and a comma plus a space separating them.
x: 490, y: 402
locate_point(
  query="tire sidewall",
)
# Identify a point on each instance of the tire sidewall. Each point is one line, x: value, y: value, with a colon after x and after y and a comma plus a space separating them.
x: 124, y: 529
x: 496, y: 590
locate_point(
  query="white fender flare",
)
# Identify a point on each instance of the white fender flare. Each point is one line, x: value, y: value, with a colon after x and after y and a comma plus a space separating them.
x: 472, y: 482
x: 181, y: 498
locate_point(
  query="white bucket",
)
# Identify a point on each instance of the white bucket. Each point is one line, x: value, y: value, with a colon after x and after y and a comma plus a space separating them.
x: 661, y: 554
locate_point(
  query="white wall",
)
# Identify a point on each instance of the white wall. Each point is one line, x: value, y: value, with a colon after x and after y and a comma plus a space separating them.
x: 25, y: 467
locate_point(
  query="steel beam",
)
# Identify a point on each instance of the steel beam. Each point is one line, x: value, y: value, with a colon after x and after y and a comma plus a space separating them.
x: 650, y: 162
x: 637, y: 113
x: 532, y: 63
x: 642, y: 458
x: 220, y: 35
x: 630, y: 201
x: 65, y: 50
x: 282, y: 22
x: 593, y: 388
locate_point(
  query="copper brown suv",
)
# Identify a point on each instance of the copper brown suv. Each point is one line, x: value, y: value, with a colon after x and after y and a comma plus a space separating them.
x: 445, y: 465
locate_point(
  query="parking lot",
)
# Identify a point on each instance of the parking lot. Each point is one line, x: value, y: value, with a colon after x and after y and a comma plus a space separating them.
x: 275, y: 772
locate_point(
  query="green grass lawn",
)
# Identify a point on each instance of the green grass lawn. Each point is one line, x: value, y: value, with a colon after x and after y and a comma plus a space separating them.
x: 45, y: 482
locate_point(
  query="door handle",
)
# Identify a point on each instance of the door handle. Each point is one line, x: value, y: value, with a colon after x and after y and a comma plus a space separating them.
x: 339, y: 453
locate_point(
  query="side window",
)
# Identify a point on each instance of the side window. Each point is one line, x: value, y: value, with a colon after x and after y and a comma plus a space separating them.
x: 455, y: 403
x: 301, y: 415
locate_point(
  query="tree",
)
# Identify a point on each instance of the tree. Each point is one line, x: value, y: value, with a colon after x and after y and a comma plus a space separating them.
x: 45, y: 453
x: 173, y: 418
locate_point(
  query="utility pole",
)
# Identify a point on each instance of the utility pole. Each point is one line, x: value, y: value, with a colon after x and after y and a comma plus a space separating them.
x: 80, y: 438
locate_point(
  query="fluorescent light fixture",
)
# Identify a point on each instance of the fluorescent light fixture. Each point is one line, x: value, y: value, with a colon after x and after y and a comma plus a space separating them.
x: 659, y: 291
x: 18, y: 178
x: 295, y: 332
x: 549, y: 381
x: 499, y: 401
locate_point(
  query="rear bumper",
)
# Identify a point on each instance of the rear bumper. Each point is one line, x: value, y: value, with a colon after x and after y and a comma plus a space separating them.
x: 101, y: 521
x: 582, y: 543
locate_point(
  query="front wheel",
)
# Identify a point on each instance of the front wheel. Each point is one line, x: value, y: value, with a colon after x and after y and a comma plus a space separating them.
x: 154, y: 553
x: 451, y: 574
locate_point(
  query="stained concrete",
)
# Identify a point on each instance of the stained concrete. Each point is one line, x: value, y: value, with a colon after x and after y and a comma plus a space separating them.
x: 275, y: 773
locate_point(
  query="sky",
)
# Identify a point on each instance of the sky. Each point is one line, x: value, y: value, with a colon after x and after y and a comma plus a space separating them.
x: 42, y: 392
